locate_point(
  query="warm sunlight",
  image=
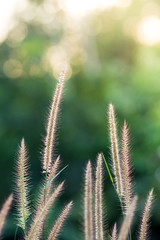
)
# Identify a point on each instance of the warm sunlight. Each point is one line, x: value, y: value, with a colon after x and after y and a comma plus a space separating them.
x: 7, y: 10
x: 149, y: 30
x: 75, y: 8
x: 79, y: 8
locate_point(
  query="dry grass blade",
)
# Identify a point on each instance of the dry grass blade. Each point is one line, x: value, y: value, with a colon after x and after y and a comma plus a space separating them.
x: 4, y: 211
x: 36, y: 226
x: 115, y: 151
x: 145, y: 218
x: 127, y: 220
x: 126, y: 168
x: 88, y: 215
x: 98, y: 200
x: 57, y: 227
x: 22, y: 180
x: 52, y: 121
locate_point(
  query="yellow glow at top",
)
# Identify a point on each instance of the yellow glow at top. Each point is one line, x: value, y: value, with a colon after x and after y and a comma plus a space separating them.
x: 82, y: 7
x: 149, y: 30
x: 7, y: 10
x: 75, y: 8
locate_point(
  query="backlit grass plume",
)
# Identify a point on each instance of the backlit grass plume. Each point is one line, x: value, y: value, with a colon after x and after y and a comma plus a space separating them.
x: 40, y: 215
x: 58, y: 225
x: 4, y: 211
x: 122, y: 184
x: 115, y: 152
x: 143, y: 234
x: 98, y: 200
x: 128, y: 220
x: 126, y: 167
x: 47, y: 196
x: 22, y: 182
x: 51, y: 126
x: 88, y: 214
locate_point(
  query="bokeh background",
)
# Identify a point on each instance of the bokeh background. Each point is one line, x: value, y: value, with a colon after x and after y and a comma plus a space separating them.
x: 112, y: 48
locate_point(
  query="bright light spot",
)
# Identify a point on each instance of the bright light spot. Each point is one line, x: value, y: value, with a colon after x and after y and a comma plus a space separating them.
x: 148, y: 32
x: 7, y: 10
x: 56, y: 56
x: 58, y: 68
x: 74, y: 8
x: 82, y: 7
x: 12, y: 68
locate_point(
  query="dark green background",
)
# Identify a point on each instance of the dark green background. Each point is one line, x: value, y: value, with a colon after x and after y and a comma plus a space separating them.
x: 108, y: 65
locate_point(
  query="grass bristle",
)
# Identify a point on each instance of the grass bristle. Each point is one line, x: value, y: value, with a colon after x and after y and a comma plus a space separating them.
x: 128, y: 220
x: 58, y: 225
x: 88, y: 211
x: 114, y: 233
x: 98, y: 200
x: 115, y: 152
x: 52, y: 122
x: 126, y: 168
x: 4, y: 211
x: 22, y: 186
x: 143, y: 234
x: 38, y: 221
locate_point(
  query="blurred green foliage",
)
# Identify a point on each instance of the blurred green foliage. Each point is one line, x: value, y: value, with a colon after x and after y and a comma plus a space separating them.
x: 108, y: 65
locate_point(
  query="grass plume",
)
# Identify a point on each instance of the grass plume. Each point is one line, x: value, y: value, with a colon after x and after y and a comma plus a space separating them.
x: 115, y: 151
x: 128, y: 220
x: 126, y: 168
x: 143, y: 234
x: 51, y: 126
x: 4, y: 211
x: 88, y: 214
x: 38, y: 221
x: 22, y: 181
x: 58, y: 225
x: 98, y: 200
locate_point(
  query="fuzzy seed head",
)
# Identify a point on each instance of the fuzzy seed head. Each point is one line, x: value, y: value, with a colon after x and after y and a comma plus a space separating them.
x: 126, y: 168
x: 128, y: 220
x: 40, y: 215
x: 88, y: 215
x: 22, y: 186
x: 115, y: 151
x: 98, y: 200
x: 4, y: 211
x: 52, y: 122
x: 143, y: 235
x: 58, y: 225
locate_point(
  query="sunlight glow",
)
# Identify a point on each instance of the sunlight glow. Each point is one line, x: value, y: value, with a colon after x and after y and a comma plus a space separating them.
x: 80, y: 8
x: 7, y: 10
x: 148, y: 31
x: 76, y: 9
